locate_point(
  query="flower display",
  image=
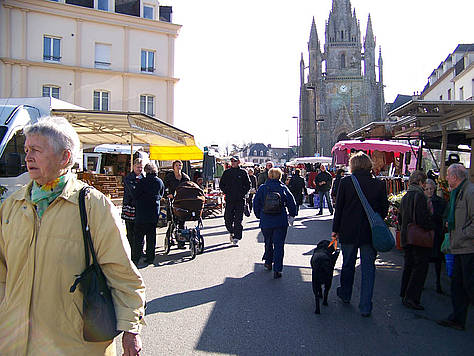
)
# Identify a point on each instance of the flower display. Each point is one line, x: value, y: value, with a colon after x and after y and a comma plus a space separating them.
x: 392, y: 216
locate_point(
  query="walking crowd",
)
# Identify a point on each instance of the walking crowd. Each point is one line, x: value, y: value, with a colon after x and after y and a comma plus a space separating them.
x: 42, y: 243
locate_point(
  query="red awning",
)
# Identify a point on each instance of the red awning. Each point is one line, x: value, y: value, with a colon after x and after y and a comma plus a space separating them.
x: 373, y: 145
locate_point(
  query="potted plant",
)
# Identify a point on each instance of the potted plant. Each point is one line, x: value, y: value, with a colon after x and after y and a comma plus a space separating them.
x: 392, y: 217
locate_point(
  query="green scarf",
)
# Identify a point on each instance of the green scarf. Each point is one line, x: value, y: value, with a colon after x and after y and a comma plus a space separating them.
x: 452, y: 205
x: 43, y: 195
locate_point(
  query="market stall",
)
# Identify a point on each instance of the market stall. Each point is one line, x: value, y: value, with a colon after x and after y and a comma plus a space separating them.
x: 391, y: 159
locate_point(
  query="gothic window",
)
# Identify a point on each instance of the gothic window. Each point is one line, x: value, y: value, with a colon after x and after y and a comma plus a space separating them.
x: 342, y: 35
x: 343, y: 61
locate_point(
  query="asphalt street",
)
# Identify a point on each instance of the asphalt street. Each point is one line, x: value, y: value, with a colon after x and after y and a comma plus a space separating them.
x: 225, y: 303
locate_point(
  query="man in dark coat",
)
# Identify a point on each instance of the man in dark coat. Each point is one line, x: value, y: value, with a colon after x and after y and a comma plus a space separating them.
x: 461, y: 238
x: 297, y: 187
x: 147, y: 194
x: 128, y: 205
x: 263, y: 176
x: 323, y: 183
x: 235, y: 184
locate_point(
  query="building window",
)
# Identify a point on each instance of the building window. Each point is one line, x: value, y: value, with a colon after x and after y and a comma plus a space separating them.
x: 261, y: 153
x: 102, y: 55
x: 147, y: 104
x: 149, y: 12
x: 101, y: 100
x: 147, y: 61
x: 51, y: 49
x: 440, y: 97
x: 343, y: 60
x: 342, y: 35
x: 461, y: 93
x: 449, y: 94
x: 50, y: 91
x: 103, y: 5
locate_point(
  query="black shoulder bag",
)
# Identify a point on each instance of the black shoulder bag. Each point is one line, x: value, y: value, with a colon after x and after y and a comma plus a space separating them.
x: 98, y: 314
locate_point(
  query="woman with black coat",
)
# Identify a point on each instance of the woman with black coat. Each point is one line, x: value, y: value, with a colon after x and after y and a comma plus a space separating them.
x: 352, y: 229
x: 147, y: 196
x: 437, y: 207
x: 414, y: 205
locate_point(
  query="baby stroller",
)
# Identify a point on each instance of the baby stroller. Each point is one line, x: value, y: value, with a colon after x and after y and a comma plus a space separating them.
x: 187, y: 205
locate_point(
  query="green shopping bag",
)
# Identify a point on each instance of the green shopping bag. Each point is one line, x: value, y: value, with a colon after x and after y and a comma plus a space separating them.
x: 445, y: 245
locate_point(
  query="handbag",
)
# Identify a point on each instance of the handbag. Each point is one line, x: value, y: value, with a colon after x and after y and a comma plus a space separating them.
x: 418, y: 236
x: 382, y: 238
x: 98, y: 312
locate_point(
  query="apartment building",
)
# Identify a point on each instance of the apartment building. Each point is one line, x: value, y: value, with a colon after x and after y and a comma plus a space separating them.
x: 454, y: 77
x: 110, y: 55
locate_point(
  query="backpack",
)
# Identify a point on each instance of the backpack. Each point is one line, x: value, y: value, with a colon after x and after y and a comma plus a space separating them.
x: 273, y: 204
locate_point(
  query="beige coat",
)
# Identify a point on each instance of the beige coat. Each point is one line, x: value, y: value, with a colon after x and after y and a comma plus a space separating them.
x: 38, y: 264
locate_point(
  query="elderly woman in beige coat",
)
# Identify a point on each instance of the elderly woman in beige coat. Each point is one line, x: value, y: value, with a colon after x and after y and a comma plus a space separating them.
x: 42, y: 251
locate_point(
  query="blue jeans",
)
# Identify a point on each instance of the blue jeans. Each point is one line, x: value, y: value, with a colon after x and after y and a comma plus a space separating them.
x: 274, y: 246
x: 367, y: 256
x: 328, y: 199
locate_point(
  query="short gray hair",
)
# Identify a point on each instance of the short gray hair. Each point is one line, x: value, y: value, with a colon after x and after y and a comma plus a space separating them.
x: 60, y: 134
x: 417, y: 178
x: 431, y: 182
x: 458, y: 170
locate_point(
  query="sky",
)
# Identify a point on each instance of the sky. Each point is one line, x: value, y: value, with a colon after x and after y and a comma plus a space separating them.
x: 238, y: 61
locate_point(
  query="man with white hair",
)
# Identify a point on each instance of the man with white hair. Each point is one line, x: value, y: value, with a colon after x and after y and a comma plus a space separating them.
x: 461, y: 238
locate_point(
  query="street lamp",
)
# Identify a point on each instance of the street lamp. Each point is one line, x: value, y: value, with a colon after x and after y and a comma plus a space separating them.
x: 297, y: 135
x: 288, y: 151
x: 318, y: 134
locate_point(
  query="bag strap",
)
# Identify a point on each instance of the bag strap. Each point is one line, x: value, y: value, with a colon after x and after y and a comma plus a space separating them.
x: 88, y: 245
x: 365, y: 203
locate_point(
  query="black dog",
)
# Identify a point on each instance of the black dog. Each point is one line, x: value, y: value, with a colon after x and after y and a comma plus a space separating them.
x: 323, y: 262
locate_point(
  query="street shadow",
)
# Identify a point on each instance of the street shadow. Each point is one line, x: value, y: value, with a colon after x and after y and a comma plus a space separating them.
x: 257, y: 314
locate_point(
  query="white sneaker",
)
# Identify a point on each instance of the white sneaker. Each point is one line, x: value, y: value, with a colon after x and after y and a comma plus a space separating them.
x: 231, y: 238
x: 235, y: 242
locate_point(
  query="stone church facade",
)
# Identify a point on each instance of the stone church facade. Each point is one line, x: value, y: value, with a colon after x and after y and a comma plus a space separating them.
x: 337, y: 97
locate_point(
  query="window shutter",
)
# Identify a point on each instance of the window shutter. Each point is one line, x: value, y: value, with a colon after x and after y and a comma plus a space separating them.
x: 103, y: 53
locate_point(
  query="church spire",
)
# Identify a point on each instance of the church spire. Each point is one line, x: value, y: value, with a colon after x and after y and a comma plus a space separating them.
x: 313, y: 37
x: 369, y: 41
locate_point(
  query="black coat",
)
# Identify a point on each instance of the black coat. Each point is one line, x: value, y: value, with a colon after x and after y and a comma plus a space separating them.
x: 235, y: 183
x: 325, y: 177
x: 297, y: 187
x: 350, y: 220
x: 414, y: 198
x: 129, y: 184
x: 439, y: 209
x: 171, y: 182
x: 335, y: 186
x: 147, y: 195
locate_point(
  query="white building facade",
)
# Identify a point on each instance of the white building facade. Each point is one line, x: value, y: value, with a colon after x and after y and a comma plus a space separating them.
x: 110, y: 55
x: 454, y: 77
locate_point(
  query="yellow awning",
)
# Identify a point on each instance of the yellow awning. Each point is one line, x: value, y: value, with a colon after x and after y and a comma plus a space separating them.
x: 171, y: 153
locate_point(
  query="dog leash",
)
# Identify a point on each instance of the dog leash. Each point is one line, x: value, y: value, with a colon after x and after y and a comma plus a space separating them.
x: 333, y: 242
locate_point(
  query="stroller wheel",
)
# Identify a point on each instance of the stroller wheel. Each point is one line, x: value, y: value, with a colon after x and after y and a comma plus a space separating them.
x: 200, y: 243
x: 193, y: 248
x: 169, y: 233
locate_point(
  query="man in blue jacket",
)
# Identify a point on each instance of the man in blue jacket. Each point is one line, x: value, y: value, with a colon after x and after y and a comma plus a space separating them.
x: 235, y: 184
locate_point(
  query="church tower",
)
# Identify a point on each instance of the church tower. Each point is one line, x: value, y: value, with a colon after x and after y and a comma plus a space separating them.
x: 338, y: 97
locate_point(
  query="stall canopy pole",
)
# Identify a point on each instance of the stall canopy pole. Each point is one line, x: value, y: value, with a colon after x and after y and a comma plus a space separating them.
x: 131, y: 152
x: 444, y: 145
x: 419, y: 158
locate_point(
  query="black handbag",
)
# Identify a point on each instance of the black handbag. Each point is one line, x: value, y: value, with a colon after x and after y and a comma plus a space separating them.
x: 98, y: 312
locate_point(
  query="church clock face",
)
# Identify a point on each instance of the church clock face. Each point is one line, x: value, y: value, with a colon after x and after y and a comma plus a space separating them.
x: 343, y: 88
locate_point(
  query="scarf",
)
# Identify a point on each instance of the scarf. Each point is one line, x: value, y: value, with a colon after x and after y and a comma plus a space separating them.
x: 43, y: 195
x: 452, y: 205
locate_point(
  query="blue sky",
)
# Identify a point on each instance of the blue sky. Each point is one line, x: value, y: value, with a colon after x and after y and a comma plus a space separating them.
x: 238, y: 61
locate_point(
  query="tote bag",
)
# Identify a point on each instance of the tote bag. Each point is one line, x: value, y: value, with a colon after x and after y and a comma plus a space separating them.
x: 382, y: 238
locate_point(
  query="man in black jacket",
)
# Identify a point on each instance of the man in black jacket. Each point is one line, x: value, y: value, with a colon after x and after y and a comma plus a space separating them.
x: 235, y: 184
x: 128, y: 206
x: 323, y: 183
